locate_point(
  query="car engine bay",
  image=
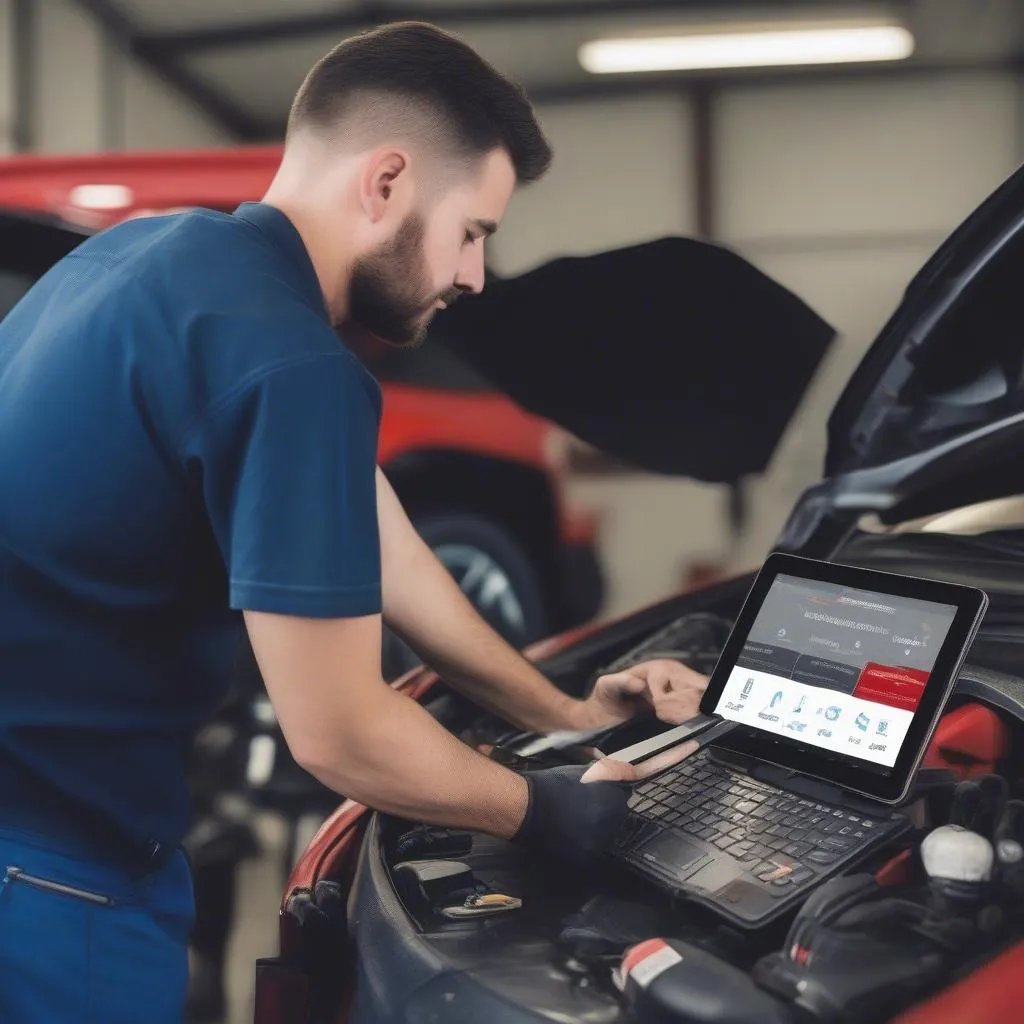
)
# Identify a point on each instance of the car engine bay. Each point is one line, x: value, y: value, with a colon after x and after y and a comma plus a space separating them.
x: 457, y: 926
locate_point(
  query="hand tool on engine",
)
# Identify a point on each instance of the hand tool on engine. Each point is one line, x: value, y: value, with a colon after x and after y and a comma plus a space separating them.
x: 482, y: 904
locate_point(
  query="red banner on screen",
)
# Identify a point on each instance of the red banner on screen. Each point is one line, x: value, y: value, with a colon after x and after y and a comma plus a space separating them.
x: 895, y: 687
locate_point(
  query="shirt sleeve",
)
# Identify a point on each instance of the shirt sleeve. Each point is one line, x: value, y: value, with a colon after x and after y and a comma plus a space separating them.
x: 288, y: 463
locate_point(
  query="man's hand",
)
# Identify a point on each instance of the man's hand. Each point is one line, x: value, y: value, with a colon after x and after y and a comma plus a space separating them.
x: 672, y: 689
x: 607, y: 769
x: 579, y: 825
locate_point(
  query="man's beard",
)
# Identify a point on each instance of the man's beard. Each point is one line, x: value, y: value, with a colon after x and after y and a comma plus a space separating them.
x: 389, y: 291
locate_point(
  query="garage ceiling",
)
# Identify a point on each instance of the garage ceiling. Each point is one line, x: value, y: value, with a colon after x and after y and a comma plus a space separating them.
x: 242, y: 60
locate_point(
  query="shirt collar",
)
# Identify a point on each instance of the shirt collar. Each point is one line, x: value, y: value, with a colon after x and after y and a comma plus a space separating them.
x: 283, y: 235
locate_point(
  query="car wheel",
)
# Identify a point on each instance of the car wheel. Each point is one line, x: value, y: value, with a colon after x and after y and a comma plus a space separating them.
x: 494, y: 572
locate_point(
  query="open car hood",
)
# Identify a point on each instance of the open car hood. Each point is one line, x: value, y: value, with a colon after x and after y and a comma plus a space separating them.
x: 675, y: 355
x: 933, y: 418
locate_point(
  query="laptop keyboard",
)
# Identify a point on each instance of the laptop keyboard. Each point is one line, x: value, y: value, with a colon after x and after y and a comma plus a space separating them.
x: 780, y: 839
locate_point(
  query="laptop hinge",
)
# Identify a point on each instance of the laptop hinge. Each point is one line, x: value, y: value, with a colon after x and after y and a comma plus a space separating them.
x: 801, y: 785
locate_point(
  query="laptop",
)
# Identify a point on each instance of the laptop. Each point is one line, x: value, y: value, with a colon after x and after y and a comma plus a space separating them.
x: 812, y: 729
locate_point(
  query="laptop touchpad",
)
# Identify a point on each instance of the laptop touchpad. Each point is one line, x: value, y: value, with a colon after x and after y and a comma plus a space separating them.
x: 673, y: 854
x: 713, y: 876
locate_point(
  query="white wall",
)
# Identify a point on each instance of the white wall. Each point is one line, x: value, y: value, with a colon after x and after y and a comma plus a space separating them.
x: 874, y: 158
x: 101, y: 98
x: 621, y: 174
x: 68, y: 77
x: 841, y: 193
x: 156, y: 116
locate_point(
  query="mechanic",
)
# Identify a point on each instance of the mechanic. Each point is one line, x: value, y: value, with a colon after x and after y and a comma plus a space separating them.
x: 187, y: 445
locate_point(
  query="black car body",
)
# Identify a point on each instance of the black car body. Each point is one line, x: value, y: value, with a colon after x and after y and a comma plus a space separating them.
x: 923, y: 476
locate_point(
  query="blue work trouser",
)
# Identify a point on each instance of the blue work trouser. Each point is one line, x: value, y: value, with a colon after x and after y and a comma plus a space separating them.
x: 82, y: 942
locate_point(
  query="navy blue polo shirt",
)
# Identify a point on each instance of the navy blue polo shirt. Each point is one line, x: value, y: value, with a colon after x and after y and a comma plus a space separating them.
x: 182, y: 436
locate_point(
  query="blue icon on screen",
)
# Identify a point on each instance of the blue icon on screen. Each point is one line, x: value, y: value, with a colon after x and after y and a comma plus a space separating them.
x: 833, y: 713
x: 862, y: 722
x: 776, y: 698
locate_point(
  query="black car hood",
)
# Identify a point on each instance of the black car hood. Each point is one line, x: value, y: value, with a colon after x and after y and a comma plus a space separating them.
x: 676, y: 356
x: 939, y: 367
x: 933, y: 417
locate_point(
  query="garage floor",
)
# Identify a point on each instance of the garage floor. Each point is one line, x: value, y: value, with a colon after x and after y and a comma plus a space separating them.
x: 255, y: 932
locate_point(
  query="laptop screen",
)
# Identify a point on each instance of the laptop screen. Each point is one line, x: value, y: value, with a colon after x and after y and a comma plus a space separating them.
x: 835, y: 667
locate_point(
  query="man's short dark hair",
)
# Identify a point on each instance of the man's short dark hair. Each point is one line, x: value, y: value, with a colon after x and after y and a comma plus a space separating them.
x: 433, y: 84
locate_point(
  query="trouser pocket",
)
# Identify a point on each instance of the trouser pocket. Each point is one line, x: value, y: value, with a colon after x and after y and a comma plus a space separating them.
x: 16, y: 874
x: 79, y: 945
x: 45, y: 930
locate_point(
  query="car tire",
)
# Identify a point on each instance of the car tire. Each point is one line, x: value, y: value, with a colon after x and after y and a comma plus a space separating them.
x: 504, y: 583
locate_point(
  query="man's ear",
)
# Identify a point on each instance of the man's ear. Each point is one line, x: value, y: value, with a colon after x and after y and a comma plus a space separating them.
x: 384, y: 176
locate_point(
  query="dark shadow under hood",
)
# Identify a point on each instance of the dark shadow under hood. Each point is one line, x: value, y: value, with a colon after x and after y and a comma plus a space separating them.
x: 676, y: 356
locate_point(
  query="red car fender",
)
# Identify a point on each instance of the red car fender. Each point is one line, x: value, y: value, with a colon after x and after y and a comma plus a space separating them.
x: 991, y: 993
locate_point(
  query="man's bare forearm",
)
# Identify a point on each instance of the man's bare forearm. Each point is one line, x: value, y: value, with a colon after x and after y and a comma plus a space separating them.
x: 424, y: 604
x: 365, y: 740
x: 436, y: 618
x: 392, y: 756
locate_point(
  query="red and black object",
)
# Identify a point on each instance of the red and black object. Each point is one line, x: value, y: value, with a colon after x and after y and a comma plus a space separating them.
x: 667, y: 981
x: 969, y: 741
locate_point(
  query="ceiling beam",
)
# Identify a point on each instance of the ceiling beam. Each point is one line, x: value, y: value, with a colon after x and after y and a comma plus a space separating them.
x: 610, y: 87
x: 233, y: 119
x: 614, y: 86
x: 376, y: 12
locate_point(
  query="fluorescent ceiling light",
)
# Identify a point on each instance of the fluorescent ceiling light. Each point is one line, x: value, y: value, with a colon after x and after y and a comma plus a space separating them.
x: 101, y: 197
x: 763, y: 47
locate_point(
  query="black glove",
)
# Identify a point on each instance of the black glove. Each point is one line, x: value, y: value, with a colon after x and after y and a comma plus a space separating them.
x: 573, y: 820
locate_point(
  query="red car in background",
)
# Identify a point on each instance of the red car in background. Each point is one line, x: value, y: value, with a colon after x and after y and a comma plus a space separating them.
x: 482, y: 479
